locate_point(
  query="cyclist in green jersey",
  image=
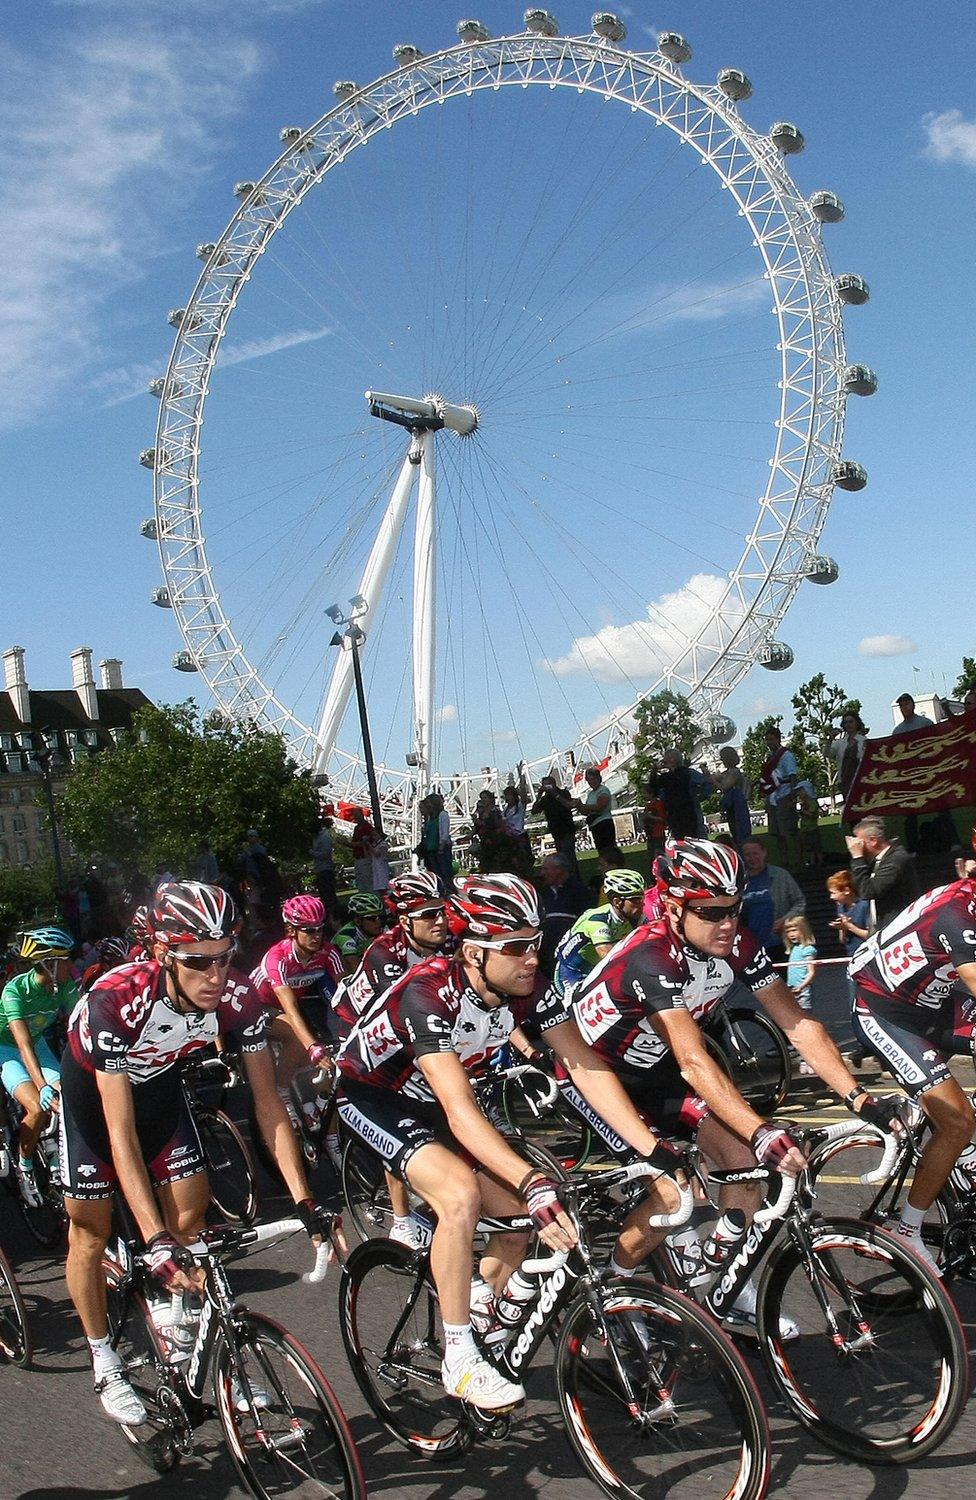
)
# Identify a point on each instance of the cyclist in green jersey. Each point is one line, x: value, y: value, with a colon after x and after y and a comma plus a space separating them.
x: 594, y: 933
x: 29, y: 1069
x: 367, y: 913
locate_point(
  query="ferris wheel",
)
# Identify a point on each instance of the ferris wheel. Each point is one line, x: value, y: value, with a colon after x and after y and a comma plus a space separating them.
x: 605, y: 375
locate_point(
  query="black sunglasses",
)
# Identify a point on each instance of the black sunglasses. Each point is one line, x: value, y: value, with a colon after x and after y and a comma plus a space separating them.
x: 715, y: 914
x: 201, y: 962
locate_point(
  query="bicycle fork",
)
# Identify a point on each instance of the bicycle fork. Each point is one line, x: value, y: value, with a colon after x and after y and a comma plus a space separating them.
x: 864, y: 1338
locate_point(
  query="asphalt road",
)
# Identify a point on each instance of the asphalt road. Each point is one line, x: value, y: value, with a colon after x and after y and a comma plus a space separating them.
x: 56, y: 1445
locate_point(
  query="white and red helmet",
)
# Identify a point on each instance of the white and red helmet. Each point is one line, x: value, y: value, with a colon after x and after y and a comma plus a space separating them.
x: 485, y: 905
x: 696, y: 870
x: 187, y: 911
x: 413, y: 890
x: 303, y: 911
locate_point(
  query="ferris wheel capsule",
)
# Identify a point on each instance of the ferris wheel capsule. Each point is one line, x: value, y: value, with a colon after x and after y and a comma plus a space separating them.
x: 860, y: 380
x: 775, y: 656
x: 787, y: 138
x: 541, y: 22
x: 673, y: 46
x: 609, y: 26
x: 345, y: 88
x: 149, y: 529
x: 473, y: 31
x: 405, y: 54
x: 826, y: 207
x: 848, y: 475
x: 734, y: 85
x: 821, y: 569
x: 245, y: 189
x: 290, y: 135
x: 148, y: 458
x: 718, y: 729
x: 156, y: 387
x: 161, y: 598
x: 852, y: 290
x: 183, y: 662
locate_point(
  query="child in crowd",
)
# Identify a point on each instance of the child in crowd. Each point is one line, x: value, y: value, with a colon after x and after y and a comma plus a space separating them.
x: 852, y: 924
x: 801, y: 966
x: 808, y: 808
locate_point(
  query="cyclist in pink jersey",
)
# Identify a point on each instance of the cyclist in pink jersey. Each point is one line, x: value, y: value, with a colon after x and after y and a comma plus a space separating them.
x: 296, y: 978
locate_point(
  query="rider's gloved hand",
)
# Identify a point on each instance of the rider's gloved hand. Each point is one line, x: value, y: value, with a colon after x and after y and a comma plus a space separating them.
x: 314, y: 1218
x: 884, y: 1112
x: 775, y: 1147
x: 666, y: 1159
x: 161, y: 1253
x: 49, y: 1096
x: 319, y: 1056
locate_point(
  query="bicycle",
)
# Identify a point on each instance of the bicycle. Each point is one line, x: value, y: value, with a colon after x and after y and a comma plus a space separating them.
x: 652, y: 1395
x: 45, y: 1222
x: 878, y: 1370
x: 753, y: 1051
x: 283, y: 1427
x: 230, y: 1166
x: 16, y: 1343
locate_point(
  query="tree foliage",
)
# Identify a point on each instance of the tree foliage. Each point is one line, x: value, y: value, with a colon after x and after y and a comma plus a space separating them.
x: 966, y: 678
x: 174, y: 779
x: 665, y: 721
x: 819, y: 708
x: 26, y: 896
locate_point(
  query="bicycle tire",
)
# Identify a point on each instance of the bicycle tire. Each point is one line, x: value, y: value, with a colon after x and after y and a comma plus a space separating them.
x: 764, y: 1077
x: 712, y: 1440
x: 16, y: 1343
x: 559, y: 1129
x: 906, y: 1317
x: 230, y: 1167
x: 364, y: 1191
x: 135, y: 1338
x: 398, y: 1370
x: 46, y: 1223
x: 290, y: 1415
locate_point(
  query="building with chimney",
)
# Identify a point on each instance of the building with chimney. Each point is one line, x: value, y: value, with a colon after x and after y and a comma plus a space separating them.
x: 70, y: 722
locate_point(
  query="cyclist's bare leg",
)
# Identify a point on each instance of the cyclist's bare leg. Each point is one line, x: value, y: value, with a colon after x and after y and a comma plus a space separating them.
x: 291, y: 1053
x: 504, y: 1252
x: 89, y: 1226
x: 399, y: 1197
x: 34, y: 1118
x: 724, y: 1148
x: 951, y: 1117
x: 453, y: 1192
x: 184, y: 1205
x: 637, y: 1238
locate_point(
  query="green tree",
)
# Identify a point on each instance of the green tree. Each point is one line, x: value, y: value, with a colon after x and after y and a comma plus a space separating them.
x: 665, y: 721
x: 966, y: 678
x: 819, y: 707
x: 174, y: 779
x: 26, y: 896
x: 809, y: 763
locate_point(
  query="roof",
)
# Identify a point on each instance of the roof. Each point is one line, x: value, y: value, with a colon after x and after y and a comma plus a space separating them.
x: 62, y: 709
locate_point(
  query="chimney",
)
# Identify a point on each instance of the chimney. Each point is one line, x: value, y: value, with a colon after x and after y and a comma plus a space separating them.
x: 111, y: 670
x: 83, y: 682
x: 16, y: 682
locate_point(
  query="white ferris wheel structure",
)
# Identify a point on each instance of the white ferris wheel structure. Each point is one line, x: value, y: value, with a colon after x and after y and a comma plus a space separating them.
x: 776, y: 552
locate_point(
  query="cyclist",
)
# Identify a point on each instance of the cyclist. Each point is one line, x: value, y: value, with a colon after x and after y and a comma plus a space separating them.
x: 29, y: 1070
x: 594, y: 933
x: 296, y: 979
x: 407, y: 1095
x: 365, y: 924
x: 109, y: 953
x: 125, y: 1123
x: 914, y: 1006
x: 139, y: 935
x: 639, y: 1007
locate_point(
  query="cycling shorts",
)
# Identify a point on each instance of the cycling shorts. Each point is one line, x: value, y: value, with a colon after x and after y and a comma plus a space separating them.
x: 165, y: 1129
x: 12, y: 1070
x: 395, y: 1127
x: 661, y: 1098
x: 914, y: 1048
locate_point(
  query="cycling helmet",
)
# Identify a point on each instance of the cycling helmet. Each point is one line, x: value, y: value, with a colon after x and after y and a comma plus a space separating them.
x: 623, y: 883
x: 303, y: 911
x: 40, y: 943
x: 111, y: 951
x: 488, y: 904
x: 695, y: 869
x: 409, y: 892
x: 365, y: 904
x: 187, y: 911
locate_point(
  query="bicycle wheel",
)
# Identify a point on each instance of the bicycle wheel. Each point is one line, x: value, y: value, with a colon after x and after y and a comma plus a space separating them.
x: 45, y: 1223
x: 885, y: 1380
x: 229, y: 1167
x: 160, y: 1440
x: 15, y: 1335
x: 284, y: 1428
x: 555, y: 1126
x: 388, y: 1316
x: 759, y: 1059
x: 656, y: 1400
x: 364, y: 1191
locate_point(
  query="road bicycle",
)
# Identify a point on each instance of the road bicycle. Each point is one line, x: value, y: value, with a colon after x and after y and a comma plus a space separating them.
x: 875, y: 1365
x: 16, y: 1344
x: 283, y: 1427
x: 653, y: 1396
x: 750, y: 1047
x: 46, y: 1221
x: 230, y: 1166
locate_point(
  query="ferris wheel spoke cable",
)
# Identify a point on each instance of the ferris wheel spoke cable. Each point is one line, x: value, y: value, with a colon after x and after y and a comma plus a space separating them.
x: 339, y: 328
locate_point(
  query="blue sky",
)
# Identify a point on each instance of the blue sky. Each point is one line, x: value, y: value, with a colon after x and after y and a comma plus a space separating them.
x: 125, y: 127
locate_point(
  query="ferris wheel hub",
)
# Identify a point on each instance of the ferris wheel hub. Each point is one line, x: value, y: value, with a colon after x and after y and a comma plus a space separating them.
x: 430, y: 414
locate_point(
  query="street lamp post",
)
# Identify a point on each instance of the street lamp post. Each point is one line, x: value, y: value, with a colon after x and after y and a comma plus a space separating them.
x: 36, y: 743
x: 351, y: 633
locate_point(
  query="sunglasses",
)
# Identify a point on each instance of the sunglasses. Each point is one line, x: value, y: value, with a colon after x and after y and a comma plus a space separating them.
x: 319, y: 927
x: 428, y: 913
x: 201, y: 962
x: 715, y: 914
x: 514, y: 947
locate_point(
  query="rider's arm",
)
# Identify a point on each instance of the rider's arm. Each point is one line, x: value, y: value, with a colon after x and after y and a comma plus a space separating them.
x: 600, y: 1086
x: 286, y: 998
x: 445, y: 1073
x: 115, y: 1092
x: 521, y: 1043
x: 967, y: 974
x: 20, y: 1031
x: 273, y: 1120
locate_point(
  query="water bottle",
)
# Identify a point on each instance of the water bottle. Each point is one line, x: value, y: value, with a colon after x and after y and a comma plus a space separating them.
x: 729, y: 1230
x: 482, y: 1305
x: 174, y: 1323
x: 4, y: 1159
x: 308, y: 1101
x: 511, y: 1304
x: 685, y: 1248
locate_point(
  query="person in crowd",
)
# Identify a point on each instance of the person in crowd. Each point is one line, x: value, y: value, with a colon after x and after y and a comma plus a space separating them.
x: 363, y: 839
x: 323, y: 861
x: 852, y: 924
x: 555, y: 804
x: 682, y: 789
x: 777, y: 787
x: 771, y: 897
x: 654, y: 819
x: 206, y: 867
x: 847, y: 748
x: 883, y: 871
x: 444, y: 856
x: 734, y: 788
x: 562, y: 898
x: 597, y: 809
x: 910, y: 718
x: 808, y: 812
x: 801, y: 968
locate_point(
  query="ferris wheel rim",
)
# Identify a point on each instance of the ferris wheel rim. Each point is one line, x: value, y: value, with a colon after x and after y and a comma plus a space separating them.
x: 802, y: 295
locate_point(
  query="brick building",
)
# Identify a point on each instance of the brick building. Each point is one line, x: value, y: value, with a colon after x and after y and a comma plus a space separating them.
x: 75, y: 722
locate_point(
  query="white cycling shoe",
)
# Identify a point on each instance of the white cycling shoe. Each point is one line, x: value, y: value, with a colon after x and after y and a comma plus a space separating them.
x: 741, y: 1317
x: 481, y: 1385
x: 119, y: 1400
x: 29, y: 1190
x: 912, y: 1240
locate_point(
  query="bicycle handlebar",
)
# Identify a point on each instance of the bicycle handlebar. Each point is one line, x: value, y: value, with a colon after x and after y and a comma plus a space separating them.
x: 638, y: 1169
x: 777, y: 1209
x: 846, y: 1130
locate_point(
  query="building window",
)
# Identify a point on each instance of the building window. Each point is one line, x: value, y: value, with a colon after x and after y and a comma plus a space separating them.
x: 4, y: 855
x: 19, y: 823
x: 23, y: 853
x: 14, y: 794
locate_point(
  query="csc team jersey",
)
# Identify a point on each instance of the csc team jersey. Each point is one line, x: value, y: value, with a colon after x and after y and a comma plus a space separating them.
x: 284, y: 967
x: 913, y: 961
x: 430, y: 1009
x: 387, y: 958
x: 126, y: 1024
x: 649, y: 972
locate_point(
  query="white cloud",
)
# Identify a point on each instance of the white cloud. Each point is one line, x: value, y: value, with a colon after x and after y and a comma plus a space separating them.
x: 649, y: 646
x: 624, y: 720
x: 886, y: 645
x: 951, y: 137
x: 133, y: 380
x: 100, y: 139
x: 503, y: 736
x: 447, y: 715
x: 662, y: 304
